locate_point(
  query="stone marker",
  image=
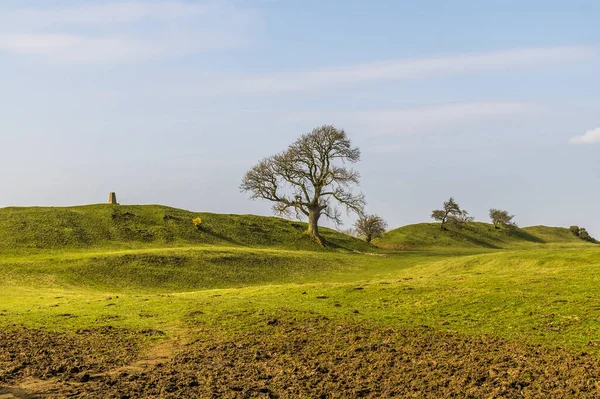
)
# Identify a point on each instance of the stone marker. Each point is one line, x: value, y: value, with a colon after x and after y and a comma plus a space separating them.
x: 112, y: 199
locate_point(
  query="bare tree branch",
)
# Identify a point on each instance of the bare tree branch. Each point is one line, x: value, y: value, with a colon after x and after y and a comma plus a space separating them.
x: 309, y: 178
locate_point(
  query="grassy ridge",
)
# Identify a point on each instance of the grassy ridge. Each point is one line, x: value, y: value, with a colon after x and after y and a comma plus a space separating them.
x: 44, y: 229
x: 27, y: 230
x: 475, y: 235
x: 191, y: 269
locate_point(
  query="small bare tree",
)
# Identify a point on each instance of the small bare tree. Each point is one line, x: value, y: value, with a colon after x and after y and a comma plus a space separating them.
x: 309, y: 178
x: 502, y: 218
x: 451, y: 214
x: 370, y: 226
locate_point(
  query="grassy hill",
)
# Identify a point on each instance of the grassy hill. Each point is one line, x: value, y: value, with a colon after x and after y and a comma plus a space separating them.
x: 82, y: 287
x: 31, y: 229
x: 474, y: 235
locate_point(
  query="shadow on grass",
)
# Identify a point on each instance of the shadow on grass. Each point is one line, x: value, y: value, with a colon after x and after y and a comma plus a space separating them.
x: 509, y: 232
x: 479, y: 242
x: 222, y: 237
x: 523, y: 235
x: 333, y: 245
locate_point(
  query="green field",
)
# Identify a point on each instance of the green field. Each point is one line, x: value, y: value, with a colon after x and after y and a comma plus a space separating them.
x: 148, y: 271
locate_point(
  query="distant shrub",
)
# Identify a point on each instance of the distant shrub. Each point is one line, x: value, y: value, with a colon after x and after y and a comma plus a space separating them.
x: 582, y: 233
x: 575, y: 230
x: 197, y: 222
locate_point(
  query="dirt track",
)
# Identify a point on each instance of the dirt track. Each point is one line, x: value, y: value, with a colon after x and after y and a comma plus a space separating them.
x: 289, y: 359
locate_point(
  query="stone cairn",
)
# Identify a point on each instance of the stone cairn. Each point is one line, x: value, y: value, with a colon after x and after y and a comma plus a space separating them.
x: 112, y: 199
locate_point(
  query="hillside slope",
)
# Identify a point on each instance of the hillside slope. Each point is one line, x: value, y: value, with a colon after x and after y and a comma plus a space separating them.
x: 122, y: 226
x: 474, y: 235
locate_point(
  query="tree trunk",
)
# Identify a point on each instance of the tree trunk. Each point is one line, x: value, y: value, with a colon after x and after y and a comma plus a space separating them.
x: 313, y: 225
x: 444, y: 220
x: 369, y: 238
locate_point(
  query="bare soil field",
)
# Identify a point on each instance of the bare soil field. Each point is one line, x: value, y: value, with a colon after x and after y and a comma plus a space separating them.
x: 289, y: 358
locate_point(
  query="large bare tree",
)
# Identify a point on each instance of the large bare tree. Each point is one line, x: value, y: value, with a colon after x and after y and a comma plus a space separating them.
x: 310, y: 178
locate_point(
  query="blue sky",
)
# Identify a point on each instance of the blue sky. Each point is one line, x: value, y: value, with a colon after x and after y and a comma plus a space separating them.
x: 495, y: 103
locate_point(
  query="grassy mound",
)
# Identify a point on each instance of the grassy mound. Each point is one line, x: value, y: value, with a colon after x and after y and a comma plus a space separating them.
x: 474, y: 235
x: 189, y: 269
x: 25, y: 230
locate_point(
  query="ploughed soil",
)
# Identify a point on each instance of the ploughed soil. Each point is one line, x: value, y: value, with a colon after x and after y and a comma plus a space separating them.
x: 288, y: 358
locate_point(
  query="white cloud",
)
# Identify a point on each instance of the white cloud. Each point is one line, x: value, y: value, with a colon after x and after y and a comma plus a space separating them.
x: 416, y: 120
x: 590, y: 137
x: 73, y: 48
x: 119, y: 32
x: 69, y: 48
x: 104, y: 13
x: 398, y: 70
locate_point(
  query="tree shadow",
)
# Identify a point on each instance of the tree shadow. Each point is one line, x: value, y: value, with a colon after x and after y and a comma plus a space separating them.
x: 526, y: 236
x: 221, y: 237
x: 475, y: 241
x: 509, y: 232
x: 332, y: 245
x: 329, y: 244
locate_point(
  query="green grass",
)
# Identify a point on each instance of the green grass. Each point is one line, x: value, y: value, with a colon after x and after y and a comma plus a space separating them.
x: 181, y: 269
x: 549, y: 296
x: 103, y: 271
x: 475, y: 235
x: 93, y: 227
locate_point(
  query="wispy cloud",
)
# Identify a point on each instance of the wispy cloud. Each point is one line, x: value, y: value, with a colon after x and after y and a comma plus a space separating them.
x: 101, y: 14
x: 124, y: 31
x: 419, y: 119
x: 590, y: 137
x: 398, y: 70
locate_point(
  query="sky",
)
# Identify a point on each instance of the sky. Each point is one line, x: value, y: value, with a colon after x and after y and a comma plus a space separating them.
x: 495, y: 103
